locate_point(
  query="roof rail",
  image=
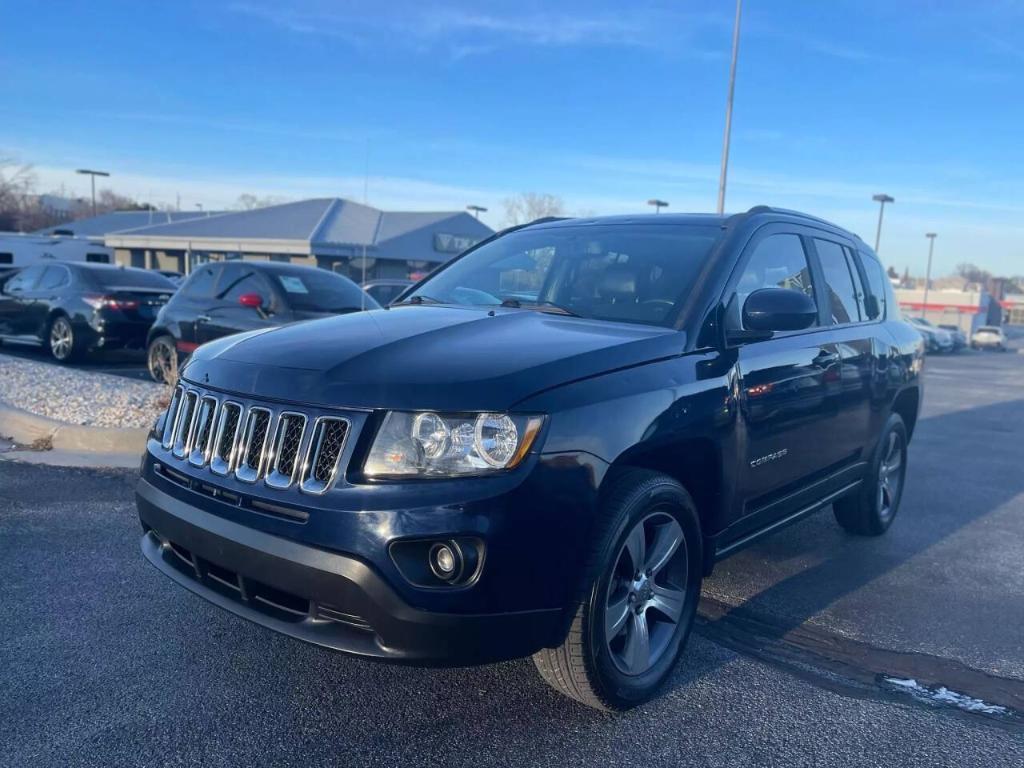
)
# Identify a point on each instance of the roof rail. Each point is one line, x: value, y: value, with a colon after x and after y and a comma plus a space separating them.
x: 789, y: 212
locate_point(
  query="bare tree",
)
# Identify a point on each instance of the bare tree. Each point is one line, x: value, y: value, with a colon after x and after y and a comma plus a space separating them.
x: 16, y: 184
x: 528, y: 206
x: 973, y: 274
x: 249, y: 202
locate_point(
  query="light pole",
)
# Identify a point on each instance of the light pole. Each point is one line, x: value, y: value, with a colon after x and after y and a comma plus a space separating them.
x: 658, y: 204
x: 93, y: 174
x: 476, y: 209
x: 928, y: 274
x: 881, y: 200
x: 728, y: 108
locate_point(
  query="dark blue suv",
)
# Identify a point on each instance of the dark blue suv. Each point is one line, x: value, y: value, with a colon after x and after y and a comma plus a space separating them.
x: 543, y: 447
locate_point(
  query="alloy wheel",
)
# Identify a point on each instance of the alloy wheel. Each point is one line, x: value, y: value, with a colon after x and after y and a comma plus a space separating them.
x: 163, y: 362
x: 61, y: 339
x: 646, y: 594
x: 890, y: 476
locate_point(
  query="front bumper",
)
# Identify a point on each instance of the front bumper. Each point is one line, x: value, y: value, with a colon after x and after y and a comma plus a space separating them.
x: 312, y: 594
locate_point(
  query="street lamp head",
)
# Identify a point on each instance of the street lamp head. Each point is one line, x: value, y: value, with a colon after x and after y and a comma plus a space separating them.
x: 932, y: 235
x: 87, y: 172
x: 884, y: 199
x: 658, y: 204
x: 476, y: 208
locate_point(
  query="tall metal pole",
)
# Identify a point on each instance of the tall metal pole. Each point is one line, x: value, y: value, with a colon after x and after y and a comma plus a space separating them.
x: 93, y: 175
x: 882, y: 199
x: 928, y: 275
x: 728, y: 109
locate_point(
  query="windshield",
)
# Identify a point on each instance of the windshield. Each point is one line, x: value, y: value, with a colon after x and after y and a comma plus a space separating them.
x: 625, y: 273
x: 317, y: 290
x: 988, y: 329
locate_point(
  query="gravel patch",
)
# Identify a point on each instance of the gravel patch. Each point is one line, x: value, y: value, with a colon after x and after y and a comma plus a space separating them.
x: 79, y: 397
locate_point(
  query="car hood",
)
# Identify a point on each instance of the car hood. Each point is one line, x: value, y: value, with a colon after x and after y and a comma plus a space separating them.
x: 444, y: 358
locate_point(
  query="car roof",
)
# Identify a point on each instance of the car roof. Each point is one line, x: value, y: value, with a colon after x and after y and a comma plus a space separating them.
x: 768, y: 213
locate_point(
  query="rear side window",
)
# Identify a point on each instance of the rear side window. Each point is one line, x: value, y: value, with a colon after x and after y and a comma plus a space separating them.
x: 877, y: 282
x: 54, y: 277
x: 6, y: 258
x: 778, y: 261
x: 839, y: 283
x: 200, y: 284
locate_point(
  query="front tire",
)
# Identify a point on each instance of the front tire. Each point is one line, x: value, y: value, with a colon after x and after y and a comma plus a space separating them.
x: 871, y: 510
x: 645, y: 576
x: 162, y: 360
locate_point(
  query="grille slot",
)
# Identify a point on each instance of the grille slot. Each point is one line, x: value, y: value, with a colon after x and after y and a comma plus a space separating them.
x: 325, y: 447
x: 253, y: 450
x: 167, y: 438
x: 202, y: 440
x: 285, y: 450
x: 184, y: 424
x: 225, y: 438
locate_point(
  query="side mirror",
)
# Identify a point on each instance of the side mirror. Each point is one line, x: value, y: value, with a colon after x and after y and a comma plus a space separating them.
x: 778, y: 309
x: 251, y: 300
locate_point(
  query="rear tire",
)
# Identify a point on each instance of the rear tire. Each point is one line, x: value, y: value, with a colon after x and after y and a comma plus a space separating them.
x: 628, y: 634
x: 62, y: 340
x: 871, y: 510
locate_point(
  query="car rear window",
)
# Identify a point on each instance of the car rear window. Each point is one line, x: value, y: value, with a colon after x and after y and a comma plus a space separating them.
x: 317, y: 290
x: 108, y: 279
x: 989, y: 329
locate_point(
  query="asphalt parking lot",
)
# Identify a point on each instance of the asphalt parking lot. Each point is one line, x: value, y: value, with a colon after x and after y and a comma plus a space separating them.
x: 105, y: 662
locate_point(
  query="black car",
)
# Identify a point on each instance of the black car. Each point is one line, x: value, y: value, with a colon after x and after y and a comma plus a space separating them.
x: 227, y: 297
x: 77, y: 307
x: 386, y: 291
x: 544, y: 448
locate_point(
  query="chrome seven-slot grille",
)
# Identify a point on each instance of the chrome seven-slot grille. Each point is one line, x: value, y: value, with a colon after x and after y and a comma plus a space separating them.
x: 254, y: 443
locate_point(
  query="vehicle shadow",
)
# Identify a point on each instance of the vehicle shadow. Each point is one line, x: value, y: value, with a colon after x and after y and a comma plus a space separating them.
x: 963, y: 465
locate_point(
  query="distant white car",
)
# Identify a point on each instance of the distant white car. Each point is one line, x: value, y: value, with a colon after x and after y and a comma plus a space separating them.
x: 989, y: 337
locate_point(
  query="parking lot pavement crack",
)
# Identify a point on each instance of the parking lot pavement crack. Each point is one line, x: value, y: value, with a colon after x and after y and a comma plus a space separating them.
x: 864, y: 670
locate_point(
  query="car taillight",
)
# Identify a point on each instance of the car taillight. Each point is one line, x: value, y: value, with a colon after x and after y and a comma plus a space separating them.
x: 109, y: 302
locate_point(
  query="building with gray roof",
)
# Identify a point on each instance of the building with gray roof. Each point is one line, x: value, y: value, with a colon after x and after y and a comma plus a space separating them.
x: 333, y: 233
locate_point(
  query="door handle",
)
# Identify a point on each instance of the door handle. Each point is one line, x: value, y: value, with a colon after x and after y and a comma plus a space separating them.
x: 824, y: 359
x: 202, y: 318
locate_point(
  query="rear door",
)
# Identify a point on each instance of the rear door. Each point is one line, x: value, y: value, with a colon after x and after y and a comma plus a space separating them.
x: 789, y: 384
x: 855, y: 336
x: 46, y: 294
x: 226, y: 315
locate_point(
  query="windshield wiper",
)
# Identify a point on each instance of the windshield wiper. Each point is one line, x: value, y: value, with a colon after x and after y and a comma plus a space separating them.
x: 419, y: 298
x: 540, y: 306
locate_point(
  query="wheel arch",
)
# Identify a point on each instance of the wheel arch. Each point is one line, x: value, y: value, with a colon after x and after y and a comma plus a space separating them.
x: 907, y: 404
x: 695, y: 463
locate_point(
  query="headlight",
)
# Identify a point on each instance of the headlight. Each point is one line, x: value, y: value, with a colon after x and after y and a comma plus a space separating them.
x: 445, y: 445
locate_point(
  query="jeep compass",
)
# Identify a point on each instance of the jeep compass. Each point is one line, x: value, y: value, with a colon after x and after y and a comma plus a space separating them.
x: 543, y: 447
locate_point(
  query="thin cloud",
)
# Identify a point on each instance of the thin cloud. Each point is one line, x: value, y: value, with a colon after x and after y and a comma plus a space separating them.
x: 463, y: 32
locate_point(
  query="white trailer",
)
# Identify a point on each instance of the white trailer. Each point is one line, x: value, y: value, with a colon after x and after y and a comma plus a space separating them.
x: 21, y: 250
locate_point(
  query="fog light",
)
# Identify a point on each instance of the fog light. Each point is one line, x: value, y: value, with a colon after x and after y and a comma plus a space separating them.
x: 446, y: 561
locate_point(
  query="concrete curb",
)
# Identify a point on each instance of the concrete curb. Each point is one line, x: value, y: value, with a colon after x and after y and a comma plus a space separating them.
x: 25, y: 428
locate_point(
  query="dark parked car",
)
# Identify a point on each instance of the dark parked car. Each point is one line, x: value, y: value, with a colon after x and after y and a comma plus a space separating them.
x: 544, y: 448
x: 386, y: 291
x: 228, y: 297
x: 77, y: 307
x: 958, y: 336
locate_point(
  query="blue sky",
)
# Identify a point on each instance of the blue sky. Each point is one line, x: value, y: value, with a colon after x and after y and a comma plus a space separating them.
x: 449, y: 103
